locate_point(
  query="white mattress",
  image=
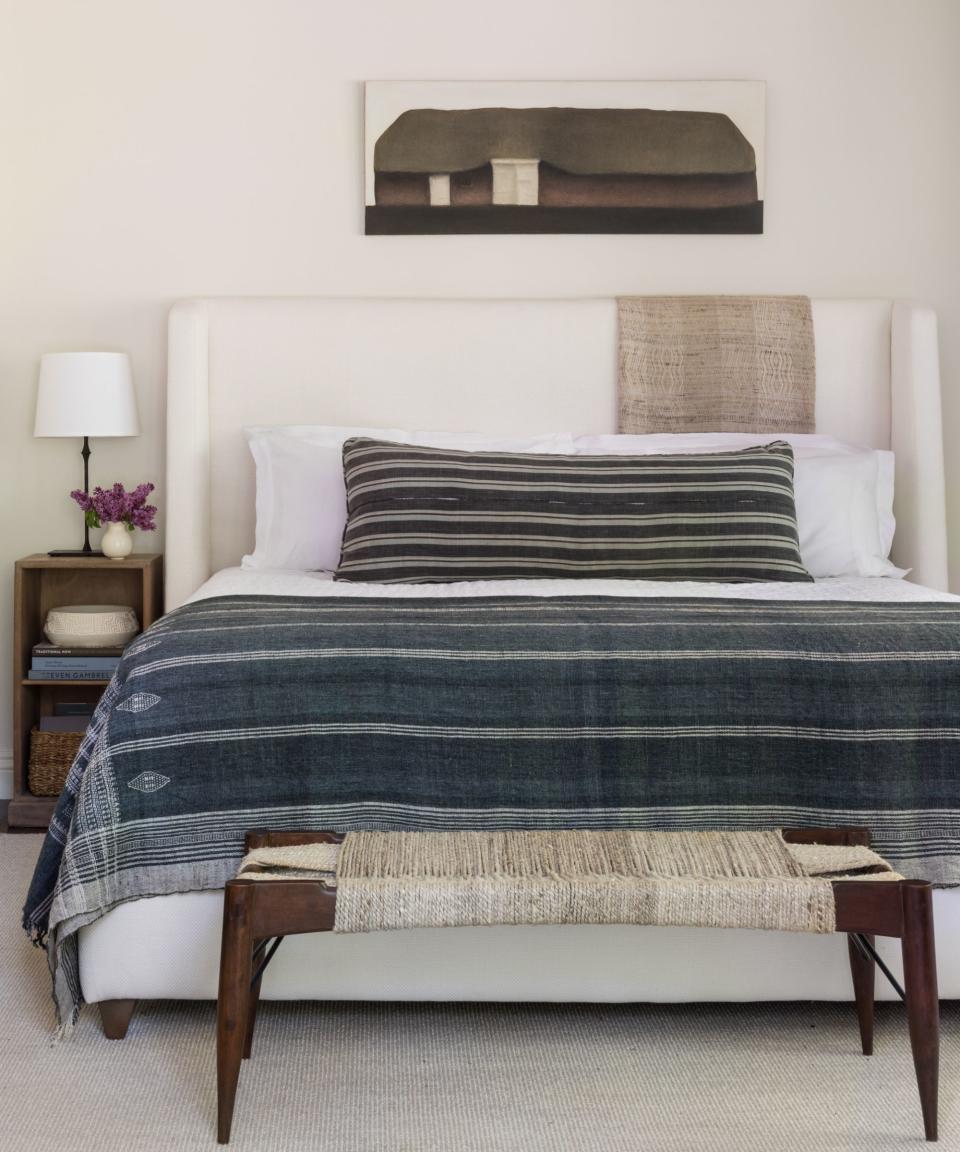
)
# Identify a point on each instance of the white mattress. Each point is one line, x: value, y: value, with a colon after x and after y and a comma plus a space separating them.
x: 168, y: 946
x: 282, y: 582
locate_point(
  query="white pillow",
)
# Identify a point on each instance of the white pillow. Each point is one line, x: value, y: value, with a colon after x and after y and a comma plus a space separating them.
x: 301, y: 500
x: 844, y: 493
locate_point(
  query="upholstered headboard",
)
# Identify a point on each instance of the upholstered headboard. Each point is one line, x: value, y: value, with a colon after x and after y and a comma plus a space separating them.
x: 499, y: 366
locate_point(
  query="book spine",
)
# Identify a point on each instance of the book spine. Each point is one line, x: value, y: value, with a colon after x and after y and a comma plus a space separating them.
x: 65, y: 723
x: 75, y: 663
x: 61, y: 674
x: 47, y: 650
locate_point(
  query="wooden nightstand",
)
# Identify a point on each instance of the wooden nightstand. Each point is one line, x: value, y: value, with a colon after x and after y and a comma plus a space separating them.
x: 43, y: 582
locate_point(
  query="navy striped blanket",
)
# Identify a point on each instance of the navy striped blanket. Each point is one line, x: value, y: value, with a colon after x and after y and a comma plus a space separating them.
x: 501, y: 712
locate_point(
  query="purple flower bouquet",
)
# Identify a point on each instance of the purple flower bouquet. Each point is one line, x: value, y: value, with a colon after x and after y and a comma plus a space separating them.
x: 118, y: 506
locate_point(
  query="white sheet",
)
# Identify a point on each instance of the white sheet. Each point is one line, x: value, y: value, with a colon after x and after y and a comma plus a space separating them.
x: 282, y: 582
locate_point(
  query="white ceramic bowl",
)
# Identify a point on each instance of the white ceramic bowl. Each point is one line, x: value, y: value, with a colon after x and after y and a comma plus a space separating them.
x: 91, y: 625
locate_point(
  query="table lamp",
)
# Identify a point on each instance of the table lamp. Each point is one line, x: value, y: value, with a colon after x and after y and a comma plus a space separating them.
x: 85, y: 394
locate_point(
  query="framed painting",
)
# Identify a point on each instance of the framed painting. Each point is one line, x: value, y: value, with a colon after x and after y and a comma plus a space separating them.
x: 658, y: 156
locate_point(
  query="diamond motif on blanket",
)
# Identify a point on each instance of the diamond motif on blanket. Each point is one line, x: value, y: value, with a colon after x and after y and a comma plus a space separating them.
x: 148, y: 782
x: 139, y: 702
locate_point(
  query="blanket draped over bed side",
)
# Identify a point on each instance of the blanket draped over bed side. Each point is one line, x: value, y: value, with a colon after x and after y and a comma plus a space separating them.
x: 501, y: 713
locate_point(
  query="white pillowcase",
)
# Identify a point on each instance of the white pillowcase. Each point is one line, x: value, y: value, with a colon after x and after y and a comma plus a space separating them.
x: 844, y: 494
x: 301, y: 500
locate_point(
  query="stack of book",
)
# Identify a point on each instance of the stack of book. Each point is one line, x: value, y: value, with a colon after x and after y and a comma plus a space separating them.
x: 53, y: 662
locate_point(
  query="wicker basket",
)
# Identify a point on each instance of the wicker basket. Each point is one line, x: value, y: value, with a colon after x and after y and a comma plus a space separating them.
x: 51, y: 754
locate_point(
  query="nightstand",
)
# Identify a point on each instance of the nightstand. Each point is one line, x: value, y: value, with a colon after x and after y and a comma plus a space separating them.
x: 43, y: 582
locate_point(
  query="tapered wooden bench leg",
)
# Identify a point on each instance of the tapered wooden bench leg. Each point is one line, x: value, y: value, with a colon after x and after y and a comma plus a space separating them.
x: 115, y: 1017
x: 236, y: 962
x: 863, y: 971
x: 252, y: 1014
x: 920, y: 985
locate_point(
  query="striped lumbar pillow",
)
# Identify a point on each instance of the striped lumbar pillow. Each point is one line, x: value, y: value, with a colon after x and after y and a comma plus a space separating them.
x: 432, y: 515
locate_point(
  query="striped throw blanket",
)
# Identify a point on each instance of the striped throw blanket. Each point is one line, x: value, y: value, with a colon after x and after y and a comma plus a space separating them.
x: 501, y: 713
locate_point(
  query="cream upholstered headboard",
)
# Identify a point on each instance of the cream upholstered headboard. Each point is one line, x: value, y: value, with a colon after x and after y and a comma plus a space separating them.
x: 498, y: 366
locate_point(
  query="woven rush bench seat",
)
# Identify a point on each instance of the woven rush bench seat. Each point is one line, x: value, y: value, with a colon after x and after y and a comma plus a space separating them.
x: 809, y: 880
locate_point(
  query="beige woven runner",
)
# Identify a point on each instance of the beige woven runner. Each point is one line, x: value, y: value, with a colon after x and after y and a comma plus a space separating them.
x: 716, y: 364
x: 392, y: 880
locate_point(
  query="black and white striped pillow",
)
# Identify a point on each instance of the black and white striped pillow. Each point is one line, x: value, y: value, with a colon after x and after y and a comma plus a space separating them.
x: 433, y: 515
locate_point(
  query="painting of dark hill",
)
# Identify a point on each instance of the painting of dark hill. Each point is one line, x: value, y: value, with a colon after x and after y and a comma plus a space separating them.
x: 563, y: 169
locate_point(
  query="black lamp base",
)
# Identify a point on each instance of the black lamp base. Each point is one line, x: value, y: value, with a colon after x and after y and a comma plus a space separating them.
x: 86, y: 550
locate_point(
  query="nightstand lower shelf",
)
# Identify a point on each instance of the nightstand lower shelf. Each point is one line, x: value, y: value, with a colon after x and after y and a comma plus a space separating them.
x: 44, y: 582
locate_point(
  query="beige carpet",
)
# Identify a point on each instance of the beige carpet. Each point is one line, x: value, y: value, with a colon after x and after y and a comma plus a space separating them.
x: 457, y: 1078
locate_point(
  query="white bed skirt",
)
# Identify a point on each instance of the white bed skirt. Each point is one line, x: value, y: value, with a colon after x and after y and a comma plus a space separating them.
x: 168, y: 947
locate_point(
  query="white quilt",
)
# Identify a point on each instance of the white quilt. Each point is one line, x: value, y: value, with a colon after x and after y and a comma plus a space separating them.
x: 280, y: 582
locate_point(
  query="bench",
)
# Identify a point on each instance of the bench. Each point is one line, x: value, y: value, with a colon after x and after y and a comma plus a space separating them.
x: 260, y: 910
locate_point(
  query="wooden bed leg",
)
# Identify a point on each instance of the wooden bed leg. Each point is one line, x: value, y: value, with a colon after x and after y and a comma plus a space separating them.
x: 920, y: 985
x: 233, y: 1002
x: 863, y: 971
x: 115, y: 1017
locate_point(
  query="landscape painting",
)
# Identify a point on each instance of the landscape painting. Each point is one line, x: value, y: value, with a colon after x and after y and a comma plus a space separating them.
x: 671, y: 156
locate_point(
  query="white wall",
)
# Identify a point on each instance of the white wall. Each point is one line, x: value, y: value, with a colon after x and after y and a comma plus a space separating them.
x: 154, y: 149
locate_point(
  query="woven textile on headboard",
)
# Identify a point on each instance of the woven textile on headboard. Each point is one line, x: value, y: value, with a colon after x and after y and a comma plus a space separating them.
x: 716, y: 364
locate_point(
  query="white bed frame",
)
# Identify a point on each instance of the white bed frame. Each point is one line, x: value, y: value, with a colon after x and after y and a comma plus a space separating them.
x: 499, y: 366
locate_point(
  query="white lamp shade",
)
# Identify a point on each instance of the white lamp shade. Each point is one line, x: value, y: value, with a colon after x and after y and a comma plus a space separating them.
x: 86, y: 394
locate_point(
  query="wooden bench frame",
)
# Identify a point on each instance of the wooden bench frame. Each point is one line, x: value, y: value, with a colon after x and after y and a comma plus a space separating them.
x: 256, y: 912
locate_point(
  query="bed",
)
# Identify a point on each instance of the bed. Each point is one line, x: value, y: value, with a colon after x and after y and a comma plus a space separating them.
x: 505, y: 366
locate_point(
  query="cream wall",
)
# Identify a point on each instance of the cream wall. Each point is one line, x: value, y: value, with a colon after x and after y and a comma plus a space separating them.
x: 154, y: 149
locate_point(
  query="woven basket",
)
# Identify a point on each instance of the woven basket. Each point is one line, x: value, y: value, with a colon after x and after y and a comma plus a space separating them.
x: 51, y: 754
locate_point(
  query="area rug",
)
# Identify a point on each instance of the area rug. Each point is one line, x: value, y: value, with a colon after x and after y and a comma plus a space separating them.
x: 457, y: 1078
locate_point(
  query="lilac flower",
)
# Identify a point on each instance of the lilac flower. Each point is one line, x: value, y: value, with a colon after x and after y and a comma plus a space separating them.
x: 117, y: 505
